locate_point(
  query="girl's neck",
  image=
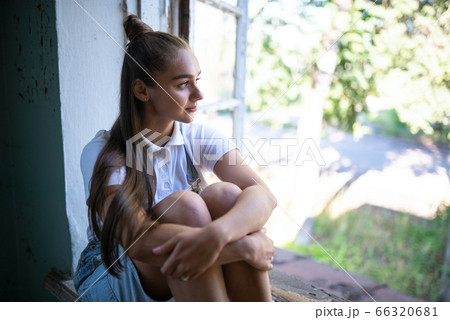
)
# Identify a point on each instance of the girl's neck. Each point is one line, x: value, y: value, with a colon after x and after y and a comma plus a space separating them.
x: 165, y: 128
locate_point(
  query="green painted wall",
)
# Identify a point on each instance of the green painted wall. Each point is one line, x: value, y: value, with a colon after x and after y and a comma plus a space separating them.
x: 34, y: 231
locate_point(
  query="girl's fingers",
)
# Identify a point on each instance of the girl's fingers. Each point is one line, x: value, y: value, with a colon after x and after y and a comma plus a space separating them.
x: 179, y: 272
x: 169, y: 265
x: 165, y: 247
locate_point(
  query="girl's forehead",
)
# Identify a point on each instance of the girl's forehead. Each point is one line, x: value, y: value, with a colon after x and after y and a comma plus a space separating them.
x: 186, y: 63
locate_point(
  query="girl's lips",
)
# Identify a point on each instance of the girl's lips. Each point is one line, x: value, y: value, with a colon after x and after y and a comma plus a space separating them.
x: 193, y: 109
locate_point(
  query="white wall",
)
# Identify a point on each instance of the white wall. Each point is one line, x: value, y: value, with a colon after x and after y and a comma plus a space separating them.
x: 154, y: 13
x: 90, y: 60
x: 89, y: 73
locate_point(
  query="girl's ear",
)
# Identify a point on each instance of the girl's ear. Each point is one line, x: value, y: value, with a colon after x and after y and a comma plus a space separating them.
x: 140, y: 90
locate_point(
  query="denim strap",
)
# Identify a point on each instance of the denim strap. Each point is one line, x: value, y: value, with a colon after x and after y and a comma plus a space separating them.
x: 191, y: 174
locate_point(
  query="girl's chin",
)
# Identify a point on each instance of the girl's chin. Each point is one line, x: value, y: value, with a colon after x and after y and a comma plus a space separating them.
x: 188, y: 118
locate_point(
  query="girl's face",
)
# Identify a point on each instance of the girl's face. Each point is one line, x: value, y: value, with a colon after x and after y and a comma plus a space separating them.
x: 178, y: 100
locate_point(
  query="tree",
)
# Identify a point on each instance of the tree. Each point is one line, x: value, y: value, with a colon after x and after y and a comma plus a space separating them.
x: 391, y: 55
x: 410, y: 56
x: 381, y: 55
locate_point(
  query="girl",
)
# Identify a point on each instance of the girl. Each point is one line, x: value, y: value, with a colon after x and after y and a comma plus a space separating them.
x: 194, y: 246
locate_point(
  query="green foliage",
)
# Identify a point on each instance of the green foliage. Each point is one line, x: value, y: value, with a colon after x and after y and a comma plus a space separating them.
x: 398, y: 52
x: 393, y: 248
x: 354, y: 77
x: 279, y: 52
x: 391, y: 55
x: 389, y: 123
x: 411, y: 51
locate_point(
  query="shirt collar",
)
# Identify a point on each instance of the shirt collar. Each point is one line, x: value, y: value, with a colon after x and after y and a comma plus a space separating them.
x: 175, y: 140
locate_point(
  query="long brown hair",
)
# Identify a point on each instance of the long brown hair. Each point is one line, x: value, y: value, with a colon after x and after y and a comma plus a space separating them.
x: 149, y: 54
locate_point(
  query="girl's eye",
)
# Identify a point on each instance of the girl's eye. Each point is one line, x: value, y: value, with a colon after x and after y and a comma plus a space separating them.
x: 196, y: 80
x: 184, y: 84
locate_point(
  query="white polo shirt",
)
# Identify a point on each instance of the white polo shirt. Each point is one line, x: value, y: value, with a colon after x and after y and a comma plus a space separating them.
x: 203, y: 144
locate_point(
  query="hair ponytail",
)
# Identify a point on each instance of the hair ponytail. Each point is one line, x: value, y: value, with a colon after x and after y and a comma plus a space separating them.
x: 135, y: 27
x: 149, y: 53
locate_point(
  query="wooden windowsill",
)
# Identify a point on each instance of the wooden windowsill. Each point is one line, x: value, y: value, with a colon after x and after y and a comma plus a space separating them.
x: 285, y: 288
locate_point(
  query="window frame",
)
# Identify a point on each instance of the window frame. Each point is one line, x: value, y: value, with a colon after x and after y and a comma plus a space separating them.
x: 182, y: 21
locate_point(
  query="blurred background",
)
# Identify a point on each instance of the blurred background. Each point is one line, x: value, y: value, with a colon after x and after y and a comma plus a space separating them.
x: 368, y: 82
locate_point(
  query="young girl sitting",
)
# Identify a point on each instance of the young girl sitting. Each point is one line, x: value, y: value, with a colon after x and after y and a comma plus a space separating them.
x: 154, y: 234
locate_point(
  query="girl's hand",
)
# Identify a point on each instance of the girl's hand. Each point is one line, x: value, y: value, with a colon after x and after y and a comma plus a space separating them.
x: 191, y: 253
x: 258, y: 250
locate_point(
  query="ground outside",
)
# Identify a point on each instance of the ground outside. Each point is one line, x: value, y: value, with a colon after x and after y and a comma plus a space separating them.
x: 351, y: 287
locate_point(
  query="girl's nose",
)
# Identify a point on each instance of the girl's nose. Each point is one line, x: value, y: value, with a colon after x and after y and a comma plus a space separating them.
x: 196, y: 94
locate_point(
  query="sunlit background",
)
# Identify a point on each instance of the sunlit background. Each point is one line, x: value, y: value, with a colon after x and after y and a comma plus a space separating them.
x: 369, y: 83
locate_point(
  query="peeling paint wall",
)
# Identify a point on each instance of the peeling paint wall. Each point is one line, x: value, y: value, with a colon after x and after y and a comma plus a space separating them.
x: 34, y: 223
x: 8, y: 231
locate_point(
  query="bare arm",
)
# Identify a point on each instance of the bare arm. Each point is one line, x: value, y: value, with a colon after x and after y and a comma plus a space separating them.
x: 193, y: 254
x: 156, y: 244
x: 256, y: 249
x: 254, y: 205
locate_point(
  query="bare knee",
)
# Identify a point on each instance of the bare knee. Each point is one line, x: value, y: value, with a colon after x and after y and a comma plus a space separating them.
x: 188, y: 209
x: 220, y: 197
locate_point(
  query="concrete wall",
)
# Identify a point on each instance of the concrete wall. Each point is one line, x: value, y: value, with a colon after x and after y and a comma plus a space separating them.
x: 33, y: 228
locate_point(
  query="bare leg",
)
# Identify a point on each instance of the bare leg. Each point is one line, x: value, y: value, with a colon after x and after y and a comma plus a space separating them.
x: 188, y: 210
x: 243, y: 282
